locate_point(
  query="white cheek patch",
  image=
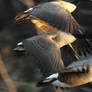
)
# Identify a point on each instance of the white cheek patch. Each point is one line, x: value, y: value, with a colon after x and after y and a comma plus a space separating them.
x: 58, y: 83
x: 53, y: 76
x: 30, y: 9
x: 20, y: 43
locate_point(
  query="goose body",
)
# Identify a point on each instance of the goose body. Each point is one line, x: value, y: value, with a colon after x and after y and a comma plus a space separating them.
x: 76, y: 74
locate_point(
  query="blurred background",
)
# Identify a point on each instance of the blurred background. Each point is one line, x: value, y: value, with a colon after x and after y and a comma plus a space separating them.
x: 18, y: 72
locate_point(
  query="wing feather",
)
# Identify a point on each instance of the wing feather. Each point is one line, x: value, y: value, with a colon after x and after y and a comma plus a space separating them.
x: 80, y: 66
x: 55, y: 15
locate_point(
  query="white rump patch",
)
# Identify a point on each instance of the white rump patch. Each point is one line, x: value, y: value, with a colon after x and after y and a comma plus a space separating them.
x: 30, y: 9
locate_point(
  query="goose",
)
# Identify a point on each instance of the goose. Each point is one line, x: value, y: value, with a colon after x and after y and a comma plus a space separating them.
x: 75, y: 74
x: 46, y: 49
x: 56, y: 13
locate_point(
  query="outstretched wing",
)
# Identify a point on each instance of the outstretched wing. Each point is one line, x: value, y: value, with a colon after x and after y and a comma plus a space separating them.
x: 80, y: 66
x: 47, y: 54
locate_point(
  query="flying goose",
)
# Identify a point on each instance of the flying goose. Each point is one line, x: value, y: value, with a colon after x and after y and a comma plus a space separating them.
x: 46, y: 49
x: 55, y: 13
x: 75, y: 74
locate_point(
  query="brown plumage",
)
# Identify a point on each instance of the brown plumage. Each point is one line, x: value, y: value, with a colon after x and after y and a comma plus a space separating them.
x: 76, y: 74
x: 55, y: 13
x: 46, y: 49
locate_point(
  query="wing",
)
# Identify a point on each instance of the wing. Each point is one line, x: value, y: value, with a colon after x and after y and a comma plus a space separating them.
x: 54, y: 14
x: 77, y: 73
x: 82, y: 47
x: 80, y: 66
x: 47, y: 54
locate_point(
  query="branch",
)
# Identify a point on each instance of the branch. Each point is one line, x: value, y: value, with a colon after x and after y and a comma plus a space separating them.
x: 6, y: 77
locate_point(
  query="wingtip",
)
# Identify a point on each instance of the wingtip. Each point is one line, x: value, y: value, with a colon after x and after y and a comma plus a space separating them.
x: 69, y: 6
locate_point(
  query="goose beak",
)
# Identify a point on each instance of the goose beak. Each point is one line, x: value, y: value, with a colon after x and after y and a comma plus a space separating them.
x: 22, y: 18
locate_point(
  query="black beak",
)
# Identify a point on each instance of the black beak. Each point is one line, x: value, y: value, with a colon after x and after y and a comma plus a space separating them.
x: 22, y: 18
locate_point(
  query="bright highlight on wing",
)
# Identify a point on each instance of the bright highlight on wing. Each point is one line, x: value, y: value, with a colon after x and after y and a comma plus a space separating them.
x: 66, y: 5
